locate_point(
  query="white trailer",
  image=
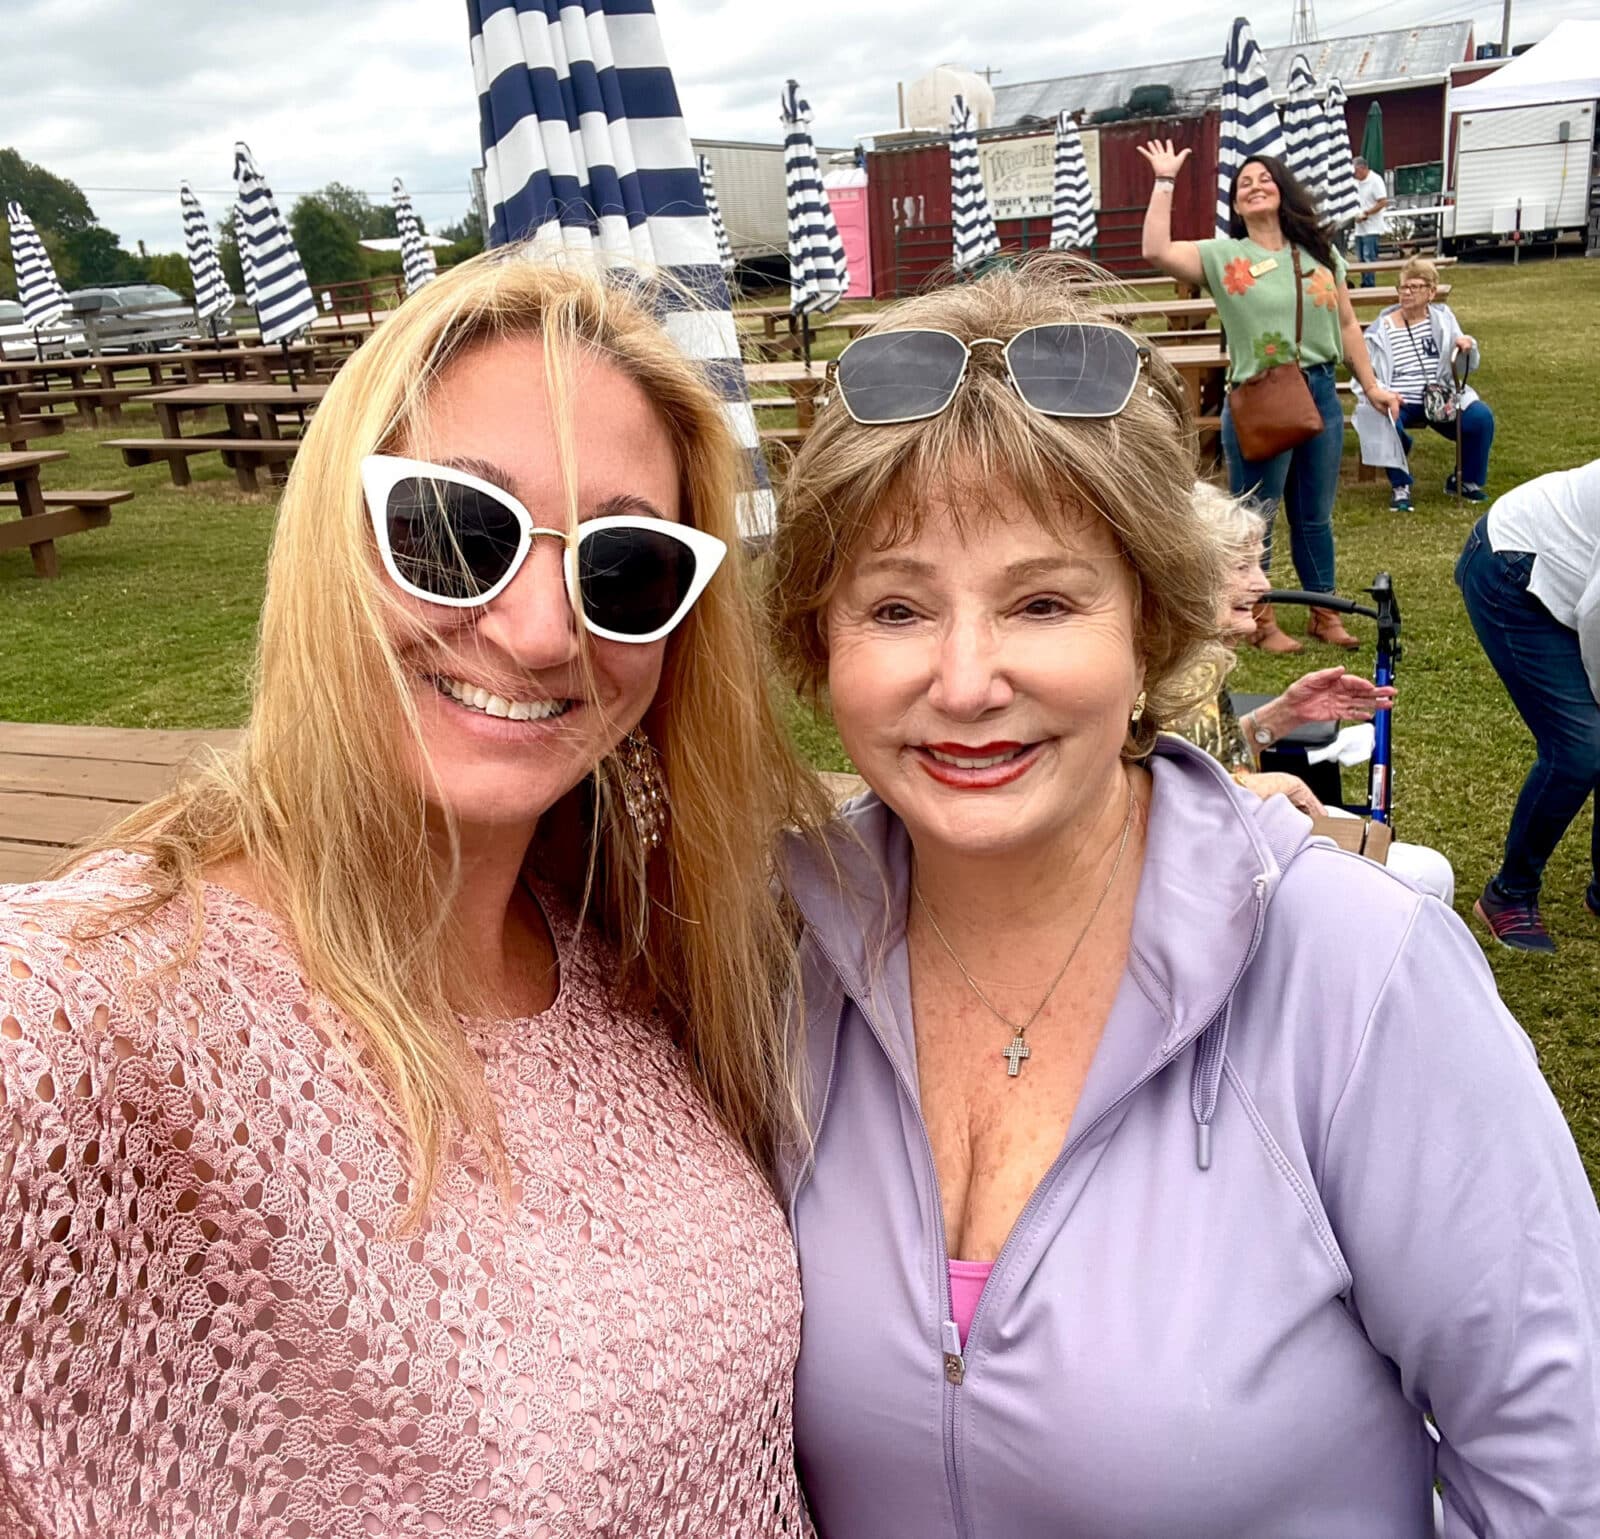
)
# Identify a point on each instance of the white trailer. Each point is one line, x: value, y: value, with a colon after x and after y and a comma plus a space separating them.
x: 1521, y: 169
x: 752, y: 197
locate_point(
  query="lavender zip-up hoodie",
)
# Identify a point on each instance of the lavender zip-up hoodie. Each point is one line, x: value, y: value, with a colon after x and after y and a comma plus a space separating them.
x: 1315, y: 1186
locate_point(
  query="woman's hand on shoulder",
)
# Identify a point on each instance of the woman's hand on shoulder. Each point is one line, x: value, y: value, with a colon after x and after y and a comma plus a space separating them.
x: 1162, y: 158
x: 1292, y: 786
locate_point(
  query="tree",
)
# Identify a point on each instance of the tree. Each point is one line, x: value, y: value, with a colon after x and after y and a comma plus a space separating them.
x: 93, y: 255
x: 228, y: 250
x: 369, y: 220
x: 52, y: 202
x: 465, y: 231
x: 327, y: 243
x: 170, y: 268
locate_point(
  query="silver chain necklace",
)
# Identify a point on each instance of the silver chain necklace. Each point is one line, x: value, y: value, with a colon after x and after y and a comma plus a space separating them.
x: 1015, y: 1051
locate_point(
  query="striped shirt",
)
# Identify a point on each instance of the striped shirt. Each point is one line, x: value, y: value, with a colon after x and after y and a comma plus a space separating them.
x: 1415, y: 357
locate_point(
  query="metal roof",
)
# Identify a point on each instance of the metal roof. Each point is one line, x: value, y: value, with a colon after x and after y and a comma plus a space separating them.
x: 1375, y: 61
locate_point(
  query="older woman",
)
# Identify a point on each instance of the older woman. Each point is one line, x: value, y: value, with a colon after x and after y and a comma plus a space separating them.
x: 1148, y: 1189
x: 1413, y: 345
x: 1281, y: 298
x: 1327, y: 695
x: 380, y: 1105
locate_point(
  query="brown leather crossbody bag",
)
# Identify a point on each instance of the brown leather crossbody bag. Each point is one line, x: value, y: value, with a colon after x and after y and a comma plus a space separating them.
x: 1275, y: 410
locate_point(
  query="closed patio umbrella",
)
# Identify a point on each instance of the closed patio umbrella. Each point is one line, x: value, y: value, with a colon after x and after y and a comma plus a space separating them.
x: 973, y: 236
x: 274, y: 277
x: 212, y: 297
x: 1372, y: 138
x: 1072, y: 224
x: 1248, y: 122
x: 708, y: 190
x: 1341, y: 203
x: 1303, y: 127
x: 585, y: 148
x: 417, y: 265
x: 818, y: 274
x: 39, y: 290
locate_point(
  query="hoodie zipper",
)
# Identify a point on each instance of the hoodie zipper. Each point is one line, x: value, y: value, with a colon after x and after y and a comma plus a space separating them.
x: 952, y: 1351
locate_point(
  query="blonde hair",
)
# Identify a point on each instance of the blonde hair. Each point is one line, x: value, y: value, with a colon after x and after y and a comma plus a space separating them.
x: 322, y: 798
x: 852, y: 484
x: 1233, y: 522
x: 1418, y: 267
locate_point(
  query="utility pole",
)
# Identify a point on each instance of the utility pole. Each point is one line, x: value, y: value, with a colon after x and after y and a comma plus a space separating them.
x: 989, y: 73
x: 1505, y: 29
x: 1304, y: 28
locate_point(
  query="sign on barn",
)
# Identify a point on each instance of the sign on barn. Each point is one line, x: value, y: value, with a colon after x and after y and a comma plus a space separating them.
x: 1020, y: 173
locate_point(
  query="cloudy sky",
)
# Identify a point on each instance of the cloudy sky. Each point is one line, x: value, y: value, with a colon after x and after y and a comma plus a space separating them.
x: 128, y: 97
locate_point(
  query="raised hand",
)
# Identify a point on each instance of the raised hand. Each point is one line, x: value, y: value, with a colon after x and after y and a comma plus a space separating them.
x: 1163, y: 159
x: 1331, y: 694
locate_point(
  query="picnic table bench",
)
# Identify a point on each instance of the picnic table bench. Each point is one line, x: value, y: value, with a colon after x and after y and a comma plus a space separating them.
x: 61, y: 785
x: 47, y: 516
x: 17, y: 426
x: 254, y: 437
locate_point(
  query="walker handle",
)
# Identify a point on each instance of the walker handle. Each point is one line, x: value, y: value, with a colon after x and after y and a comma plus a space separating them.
x: 1332, y: 601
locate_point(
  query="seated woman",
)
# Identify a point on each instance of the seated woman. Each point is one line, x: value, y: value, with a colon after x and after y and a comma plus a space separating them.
x: 1148, y: 1189
x: 380, y: 1106
x: 1412, y: 345
x: 1328, y: 695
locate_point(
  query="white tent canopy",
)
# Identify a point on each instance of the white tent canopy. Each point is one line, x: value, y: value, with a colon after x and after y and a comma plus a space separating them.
x: 1565, y: 67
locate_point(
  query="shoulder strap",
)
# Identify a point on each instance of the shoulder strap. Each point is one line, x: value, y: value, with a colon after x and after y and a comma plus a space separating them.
x: 1299, y: 297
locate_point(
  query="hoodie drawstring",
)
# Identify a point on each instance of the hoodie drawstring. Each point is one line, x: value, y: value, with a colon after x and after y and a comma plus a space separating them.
x: 1206, y: 1081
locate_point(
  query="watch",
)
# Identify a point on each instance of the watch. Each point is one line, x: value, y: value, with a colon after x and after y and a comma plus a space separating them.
x: 1262, y: 736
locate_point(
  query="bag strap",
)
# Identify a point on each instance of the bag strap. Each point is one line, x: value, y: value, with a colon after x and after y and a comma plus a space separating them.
x: 1416, y: 352
x: 1299, y: 298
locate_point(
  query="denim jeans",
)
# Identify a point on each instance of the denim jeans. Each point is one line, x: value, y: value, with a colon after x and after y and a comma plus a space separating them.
x: 1367, y: 251
x: 1541, y: 667
x: 1305, y: 479
x: 1476, y: 426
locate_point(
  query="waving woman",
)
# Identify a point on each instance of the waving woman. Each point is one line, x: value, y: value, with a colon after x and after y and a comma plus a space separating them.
x: 1281, y: 299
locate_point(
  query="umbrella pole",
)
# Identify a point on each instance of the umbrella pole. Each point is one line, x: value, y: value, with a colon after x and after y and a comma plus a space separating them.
x: 805, y: 336
x: 288, y: 363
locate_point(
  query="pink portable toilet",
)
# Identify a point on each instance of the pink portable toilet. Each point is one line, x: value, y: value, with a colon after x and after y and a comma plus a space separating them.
x: 846, y: 187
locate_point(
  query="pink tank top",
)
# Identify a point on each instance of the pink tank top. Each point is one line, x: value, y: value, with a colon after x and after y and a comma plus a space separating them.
x: 966, y: 1287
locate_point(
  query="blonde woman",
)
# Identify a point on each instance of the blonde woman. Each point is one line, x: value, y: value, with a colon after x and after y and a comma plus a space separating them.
x: 1149, y: 1190
x: 383, y: 1108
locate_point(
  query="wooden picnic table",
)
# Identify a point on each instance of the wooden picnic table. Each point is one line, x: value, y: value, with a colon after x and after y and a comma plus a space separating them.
x: 238, y: 399
x: 17, y: 426
x: 21, y: 471
x: 62, y: 785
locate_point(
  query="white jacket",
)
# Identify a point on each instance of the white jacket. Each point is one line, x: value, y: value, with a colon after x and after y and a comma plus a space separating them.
x: 1380, y: 443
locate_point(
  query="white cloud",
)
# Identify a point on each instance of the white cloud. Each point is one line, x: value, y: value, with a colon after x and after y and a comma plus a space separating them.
x: 123, y: 95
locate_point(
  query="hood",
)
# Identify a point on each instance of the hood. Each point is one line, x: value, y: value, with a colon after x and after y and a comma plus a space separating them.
x: 1214, y: 855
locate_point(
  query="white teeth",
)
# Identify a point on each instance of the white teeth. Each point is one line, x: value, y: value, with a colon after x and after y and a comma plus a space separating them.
x: 964, y: 763
x: 475, y: 698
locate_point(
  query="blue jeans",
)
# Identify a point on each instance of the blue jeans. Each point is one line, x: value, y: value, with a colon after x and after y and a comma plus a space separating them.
x: 1541, y: 667
x: 1476, y: 425
x: 1367, y: 251
x: 1305, y: 478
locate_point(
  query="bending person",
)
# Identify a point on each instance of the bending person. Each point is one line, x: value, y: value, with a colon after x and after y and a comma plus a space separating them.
x: 1530, y: 576
x: 1328, y: 695
x: 1273, y: 236
x: 1413, y: 345
x: 1135, y: 1110
x: 382, y: 1105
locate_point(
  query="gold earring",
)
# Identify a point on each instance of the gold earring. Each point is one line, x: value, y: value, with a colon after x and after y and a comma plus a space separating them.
x: 644, y: 791
x: 1138, y: 709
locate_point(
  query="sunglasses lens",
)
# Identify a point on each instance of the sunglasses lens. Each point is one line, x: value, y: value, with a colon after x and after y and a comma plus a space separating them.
x: 900, y: 376
x: 449, y: 540
x: 633, y: 581
x: 1074, y: 371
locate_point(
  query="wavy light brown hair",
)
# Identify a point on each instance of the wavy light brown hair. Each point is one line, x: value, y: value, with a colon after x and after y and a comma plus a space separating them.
x: 855, y: 487
x: 322, y: 802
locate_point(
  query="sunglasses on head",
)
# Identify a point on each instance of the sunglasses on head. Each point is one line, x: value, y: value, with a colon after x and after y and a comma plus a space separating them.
x: 1075, y: 369
x: 451, y: 538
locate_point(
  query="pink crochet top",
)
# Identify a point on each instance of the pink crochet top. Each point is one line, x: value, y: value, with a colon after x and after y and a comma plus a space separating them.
x: 207, y: 1326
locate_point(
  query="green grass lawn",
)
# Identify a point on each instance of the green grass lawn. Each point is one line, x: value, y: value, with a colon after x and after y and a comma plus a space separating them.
x: 151, y: 625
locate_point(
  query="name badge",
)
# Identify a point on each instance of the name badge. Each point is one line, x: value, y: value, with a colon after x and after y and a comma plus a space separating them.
x: 1265, y: 265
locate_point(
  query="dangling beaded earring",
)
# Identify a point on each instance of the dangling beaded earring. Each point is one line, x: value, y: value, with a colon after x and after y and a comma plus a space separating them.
x: 1138, y: 710
x: 644, y: 791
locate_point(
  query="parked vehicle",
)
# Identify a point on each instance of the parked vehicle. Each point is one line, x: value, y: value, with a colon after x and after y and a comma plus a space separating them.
x: 18, y: 343
x: 1521, y: 173
x: 133, y: 317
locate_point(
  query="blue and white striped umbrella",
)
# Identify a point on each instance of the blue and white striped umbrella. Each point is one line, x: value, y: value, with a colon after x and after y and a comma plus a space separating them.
x: 818, y: 273
x: 212, y: 297
x: 43, y: 300
x: 274, y: 277
x: 417, y: 265
x: 1341, y: 203
x: 708, y: 190
x: 1072, y: 225
x: 973, y: 235
x: 585, y: 147
x: 1248, y: 122
x: 1303, y: 128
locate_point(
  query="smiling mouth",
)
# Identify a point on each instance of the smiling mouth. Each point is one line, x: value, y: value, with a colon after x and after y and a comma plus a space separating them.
x: 474, y: 697
x: 976, y: 759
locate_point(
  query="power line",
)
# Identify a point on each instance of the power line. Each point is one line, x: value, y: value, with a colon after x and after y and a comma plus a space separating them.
x: 228, y: 192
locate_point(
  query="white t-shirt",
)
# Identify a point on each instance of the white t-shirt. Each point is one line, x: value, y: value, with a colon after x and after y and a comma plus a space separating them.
x: 1371, y: 190
x: 1557, y: 517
